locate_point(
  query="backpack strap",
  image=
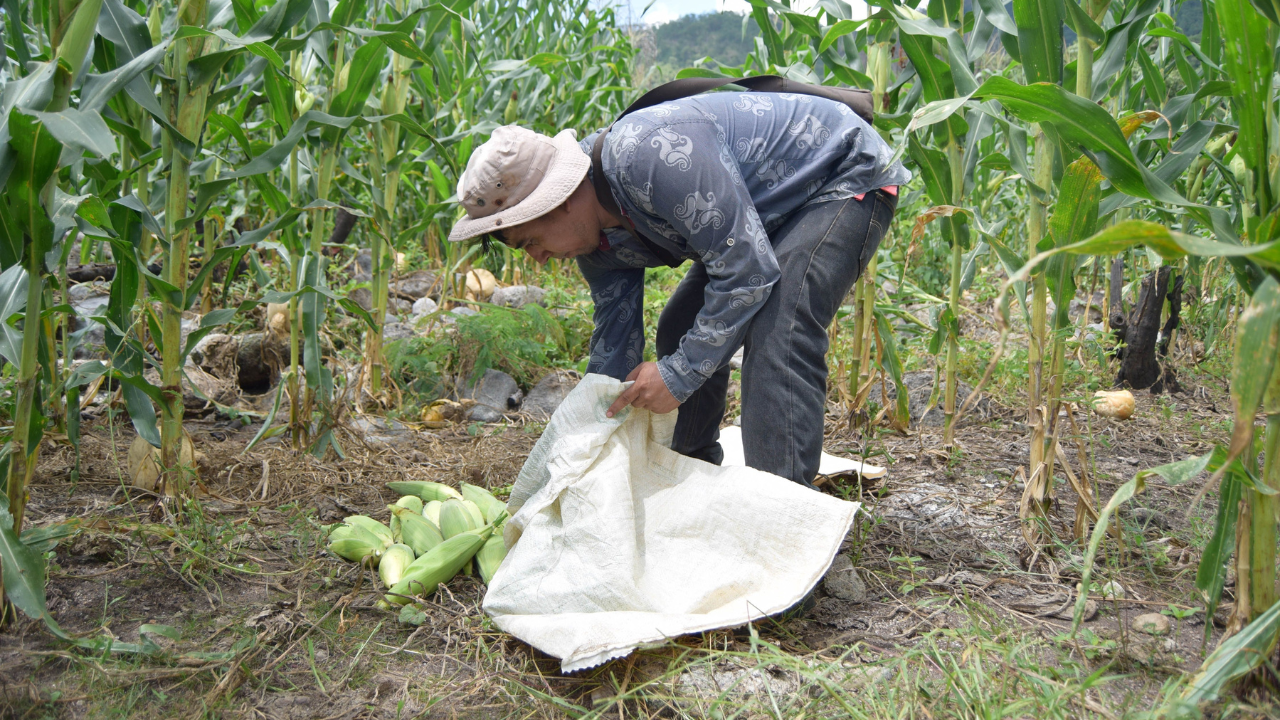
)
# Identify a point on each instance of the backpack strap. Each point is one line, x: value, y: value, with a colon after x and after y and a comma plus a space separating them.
x: 857, y: 100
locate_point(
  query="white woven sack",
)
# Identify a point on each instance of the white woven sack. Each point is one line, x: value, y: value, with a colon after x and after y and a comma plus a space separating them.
x: 616, y: 541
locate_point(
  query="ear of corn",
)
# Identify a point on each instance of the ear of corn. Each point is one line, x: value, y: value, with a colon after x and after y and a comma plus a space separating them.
x: 373, y: 526
x: 424, y: 490
x: 356, y: 532
x: 356, y: 550
x: 454, y: 519
x: 490, y: 556
x: 412, y: 502
x: 489, y: 505
x: 393, y: 564
x: 431, y: 511
x: 477, y: 516
x: 418, y: 532
x: 439, y: 565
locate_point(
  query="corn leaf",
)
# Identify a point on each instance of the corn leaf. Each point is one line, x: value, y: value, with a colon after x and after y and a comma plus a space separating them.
x: 13, y: 300
x: 1211, y: 575
x: 1257, y: 347
x: 1040, y: 39
x: 1237, y: 655
x: 23, y: 569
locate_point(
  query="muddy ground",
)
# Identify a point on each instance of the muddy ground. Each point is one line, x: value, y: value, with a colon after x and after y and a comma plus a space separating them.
x: 266, y: 625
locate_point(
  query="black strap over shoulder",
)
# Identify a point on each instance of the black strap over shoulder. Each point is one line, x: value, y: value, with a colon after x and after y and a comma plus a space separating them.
x: 858, y: 101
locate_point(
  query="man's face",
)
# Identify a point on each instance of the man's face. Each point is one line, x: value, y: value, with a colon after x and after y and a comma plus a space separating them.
x: 566, y: 232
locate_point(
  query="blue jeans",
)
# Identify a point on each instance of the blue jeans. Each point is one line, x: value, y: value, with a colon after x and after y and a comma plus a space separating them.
x: 822, y: 250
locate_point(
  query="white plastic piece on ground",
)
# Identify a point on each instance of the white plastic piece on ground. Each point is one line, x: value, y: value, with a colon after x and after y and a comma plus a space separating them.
x: 731, y: 444
x: 616, y: 541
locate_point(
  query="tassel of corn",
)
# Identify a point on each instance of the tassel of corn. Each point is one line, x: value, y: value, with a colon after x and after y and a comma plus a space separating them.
x: 425, y: 491
x: 489, y: 505
x: 490, y: 556
x: 455, y: 519
x: 438, y: 565
x: 393, y: 564
x: 418, y: 532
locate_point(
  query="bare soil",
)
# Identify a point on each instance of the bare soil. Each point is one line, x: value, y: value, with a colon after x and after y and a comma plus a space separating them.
x: 269, y: 626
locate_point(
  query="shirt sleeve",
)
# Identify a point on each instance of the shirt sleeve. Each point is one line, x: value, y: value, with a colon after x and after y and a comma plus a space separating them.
x: 617, y: 342
x: 696, y: 186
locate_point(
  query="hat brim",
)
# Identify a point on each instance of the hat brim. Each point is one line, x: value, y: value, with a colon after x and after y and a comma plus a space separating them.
x: 563, y: 176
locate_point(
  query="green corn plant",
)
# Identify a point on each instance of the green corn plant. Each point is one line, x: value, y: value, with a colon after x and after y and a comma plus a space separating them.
x: 945, y: 86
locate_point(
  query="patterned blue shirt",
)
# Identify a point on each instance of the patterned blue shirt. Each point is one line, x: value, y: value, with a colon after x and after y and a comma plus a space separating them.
x: 708, y: 178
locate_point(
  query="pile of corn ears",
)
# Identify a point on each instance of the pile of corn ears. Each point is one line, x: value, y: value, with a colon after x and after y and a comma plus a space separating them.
x: 435, y: 533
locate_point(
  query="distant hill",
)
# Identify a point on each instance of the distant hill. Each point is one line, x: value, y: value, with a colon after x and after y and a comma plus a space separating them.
x: 682, y: 42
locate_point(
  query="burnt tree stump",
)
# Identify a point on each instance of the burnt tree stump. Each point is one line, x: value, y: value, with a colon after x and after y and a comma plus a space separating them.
x: 1139, y: 334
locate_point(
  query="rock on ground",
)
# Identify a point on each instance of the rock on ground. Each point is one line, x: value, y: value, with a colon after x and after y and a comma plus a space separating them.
x: 381, y: 431
x: 842, y: 581
x: 87, y: 298
x: 1151, y: 624
x: 495, y: 393
x: 416, y: 285
x: 424, y: 306
x: 550, y: 391
x: 396, y: 331
x: 518, y: 296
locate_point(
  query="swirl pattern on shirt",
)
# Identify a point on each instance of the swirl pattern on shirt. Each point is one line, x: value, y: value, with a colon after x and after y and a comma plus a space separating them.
x: 699, y: 211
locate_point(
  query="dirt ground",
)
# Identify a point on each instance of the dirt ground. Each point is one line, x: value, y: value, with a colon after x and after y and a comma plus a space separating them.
x: 267, y: 625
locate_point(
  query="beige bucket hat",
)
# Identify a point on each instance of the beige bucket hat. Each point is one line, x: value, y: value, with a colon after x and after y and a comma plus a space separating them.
x: 516, y: 176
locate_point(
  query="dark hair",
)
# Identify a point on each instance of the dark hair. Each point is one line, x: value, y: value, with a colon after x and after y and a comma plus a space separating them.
x: 491, y: 242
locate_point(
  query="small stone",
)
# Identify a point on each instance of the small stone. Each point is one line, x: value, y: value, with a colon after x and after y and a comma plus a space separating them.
x: 416, y: 285
x: 464, y: 311
x: 1151, y: 624
x: 424, y: 306
x: 392, y: 332
x: 496, y: 391
x: 1112, y: 591
x: 484, y: 413
x: 518, y: 296
x: 842, y: 581
x: 550, y: 391
x: 363, y: 297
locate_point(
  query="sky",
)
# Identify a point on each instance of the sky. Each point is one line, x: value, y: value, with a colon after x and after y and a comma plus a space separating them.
x: 666, y: 10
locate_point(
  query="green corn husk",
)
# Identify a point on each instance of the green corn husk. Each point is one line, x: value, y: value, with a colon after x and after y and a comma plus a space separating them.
x: 373, y: 526
x: 412, y: 502
x: 357, y: 550
x: 455, y: 519
x: 342, y: 532
x: 439, y: 565
x: 418, y: 532
x: 477, y: 516
x: 393, y: 564
x: 426, y: 491
x: 490, y: 556
x: 431, y: 511
x: 489, y: 505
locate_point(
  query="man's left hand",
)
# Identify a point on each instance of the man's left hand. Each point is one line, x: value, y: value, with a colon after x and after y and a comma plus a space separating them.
x: 648, y: 392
